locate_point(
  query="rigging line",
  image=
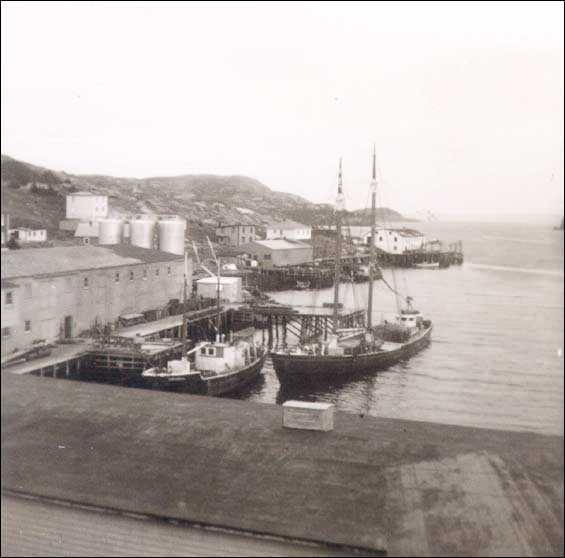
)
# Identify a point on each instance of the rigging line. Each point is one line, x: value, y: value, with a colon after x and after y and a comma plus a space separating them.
x: 391, y: 288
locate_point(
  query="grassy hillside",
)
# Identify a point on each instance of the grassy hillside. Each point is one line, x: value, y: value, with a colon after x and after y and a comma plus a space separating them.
x: 35, y: 196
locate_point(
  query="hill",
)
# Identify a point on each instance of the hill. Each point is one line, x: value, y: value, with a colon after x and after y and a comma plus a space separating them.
x: 35, y: 196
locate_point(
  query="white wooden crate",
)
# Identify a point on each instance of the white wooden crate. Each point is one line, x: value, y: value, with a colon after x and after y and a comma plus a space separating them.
x: 308, y: 416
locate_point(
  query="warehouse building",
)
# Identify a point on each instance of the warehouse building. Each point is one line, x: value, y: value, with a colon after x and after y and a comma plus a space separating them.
x: 230, y: 288
x: 291, y: 230
x: 280, y: 252
x: 58, y: 293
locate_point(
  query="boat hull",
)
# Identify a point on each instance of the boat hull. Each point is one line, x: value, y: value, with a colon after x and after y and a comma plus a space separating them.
x: 300, y: 369
x: 212, y: 385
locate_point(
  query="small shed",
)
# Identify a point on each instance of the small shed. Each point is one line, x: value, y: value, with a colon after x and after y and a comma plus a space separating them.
x: 230, y: 288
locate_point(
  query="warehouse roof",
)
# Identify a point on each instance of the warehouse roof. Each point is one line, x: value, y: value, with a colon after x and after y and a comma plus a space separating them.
x: 287, y: 225
x: 223, y: 280
x: 84, y: 193
x: 8, y: 285
x: 280, y: 244
x: 67, y: 259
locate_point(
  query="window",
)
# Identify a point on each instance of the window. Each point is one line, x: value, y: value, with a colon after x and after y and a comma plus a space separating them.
x: 6, y: 332
x: 395, y: 239
x: 267, y: 257
x: 203, y: 351
x: 211, y: 351
x: 168, y: 270
x: 9, y: 298
x: 381, y: 238
x: 156, y: 272
x: 27, y: 290
x: 145, y: 274
x: 85, y: 283
x: 27, y: 326
x: 117, y: 277
x: 86, y: 240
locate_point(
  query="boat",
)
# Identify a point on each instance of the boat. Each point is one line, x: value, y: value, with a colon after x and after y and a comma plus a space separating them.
x: 346, y: 353
x: 302, y: 285
x: 427, y: 265
x: 225, y: 365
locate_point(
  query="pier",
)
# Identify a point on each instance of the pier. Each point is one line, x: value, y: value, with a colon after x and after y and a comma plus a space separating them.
x: 372, y: 485
x: 304, y: 322
x: 127, y: 351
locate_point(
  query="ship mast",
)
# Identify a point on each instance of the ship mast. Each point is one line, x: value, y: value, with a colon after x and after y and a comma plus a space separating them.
x: 339, y: 208
x: 373, y: 232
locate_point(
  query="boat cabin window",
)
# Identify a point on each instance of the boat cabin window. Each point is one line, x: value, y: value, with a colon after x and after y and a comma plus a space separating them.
x: 211, y: 351
x: 203, y: 351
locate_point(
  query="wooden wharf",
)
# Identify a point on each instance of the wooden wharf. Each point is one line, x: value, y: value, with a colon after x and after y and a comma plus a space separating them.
x: 306, y: 323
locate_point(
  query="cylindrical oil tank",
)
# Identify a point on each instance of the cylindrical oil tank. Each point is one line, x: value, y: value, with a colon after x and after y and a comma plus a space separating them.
x: 141, y: 232
x: 110, y: 231
x: 171, y: 235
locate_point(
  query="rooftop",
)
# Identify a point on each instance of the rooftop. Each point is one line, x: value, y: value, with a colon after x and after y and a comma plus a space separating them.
x: 404, y: 487
x: 84, y: 193
x: 68, y: 259
x: 223, y: 280
x: 280, y: 244
x: 286, y: 225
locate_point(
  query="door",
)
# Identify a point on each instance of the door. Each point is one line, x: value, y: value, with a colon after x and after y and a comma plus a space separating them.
x: 68, y: 327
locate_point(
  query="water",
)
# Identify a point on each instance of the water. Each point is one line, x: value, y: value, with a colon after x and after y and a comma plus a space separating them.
x: 496, y: 359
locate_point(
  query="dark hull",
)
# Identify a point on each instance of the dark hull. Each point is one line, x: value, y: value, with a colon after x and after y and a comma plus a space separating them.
x: 300, y: 369
x: 214, y: 385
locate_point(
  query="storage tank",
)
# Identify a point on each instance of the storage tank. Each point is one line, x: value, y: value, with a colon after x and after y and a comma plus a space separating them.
x: 171, y: 235
x: 141, y: 232
x: 110, y: 231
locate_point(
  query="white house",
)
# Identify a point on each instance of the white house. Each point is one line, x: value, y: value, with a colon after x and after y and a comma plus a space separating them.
x: 23, y: 234
x: 86, y: 206
x: 230, y: 288
x: 291, y: 230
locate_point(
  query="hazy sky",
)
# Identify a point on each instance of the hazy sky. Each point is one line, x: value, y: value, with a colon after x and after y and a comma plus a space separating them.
x: 463, y: 100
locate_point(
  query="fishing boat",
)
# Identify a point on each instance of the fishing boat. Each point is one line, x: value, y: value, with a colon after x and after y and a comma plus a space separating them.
x: 347, y: 352
x: 225, y: 365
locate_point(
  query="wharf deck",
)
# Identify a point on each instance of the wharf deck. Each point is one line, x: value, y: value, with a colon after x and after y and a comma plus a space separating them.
x: 170, y: 322
x: 60, y: 354
x: 394, y: 486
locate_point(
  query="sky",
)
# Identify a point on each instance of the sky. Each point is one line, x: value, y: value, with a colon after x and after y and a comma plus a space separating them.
x: 463, y: 101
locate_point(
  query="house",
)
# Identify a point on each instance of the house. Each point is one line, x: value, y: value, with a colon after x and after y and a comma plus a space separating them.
x: 25, y: 235
x: 230, y: 288
x: 86, y: 205
x: 58, y: 293
x: 291, y: 230
x: 280, y: 252
x: 235, y: 234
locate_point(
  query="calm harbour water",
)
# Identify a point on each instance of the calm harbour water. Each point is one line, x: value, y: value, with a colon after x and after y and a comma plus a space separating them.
x: 496, y: 358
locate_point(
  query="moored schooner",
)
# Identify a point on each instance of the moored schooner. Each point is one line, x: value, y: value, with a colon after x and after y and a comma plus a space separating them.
x: 347, y: 352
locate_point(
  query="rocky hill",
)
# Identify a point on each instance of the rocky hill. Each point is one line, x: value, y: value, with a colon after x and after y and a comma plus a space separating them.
x: 35, y: 196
